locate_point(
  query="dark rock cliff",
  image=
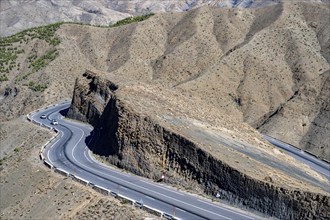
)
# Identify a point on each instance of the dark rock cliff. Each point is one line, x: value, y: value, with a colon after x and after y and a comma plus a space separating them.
x: 138, y: 143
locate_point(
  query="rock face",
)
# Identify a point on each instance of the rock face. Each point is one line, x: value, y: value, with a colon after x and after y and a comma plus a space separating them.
x: 91, y: 110
x: 145, y: 146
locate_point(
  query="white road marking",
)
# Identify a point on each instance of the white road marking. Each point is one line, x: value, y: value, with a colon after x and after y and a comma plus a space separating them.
x: 57, y: 140
x: 145, y: 189
x: 87, y: 157
x: 108, y: 168
x: 49, y: 157
x: 132, y: 184
x: 237, y: 213
x: 150, y: 198
x: 180, y: 210
x: 77, y: 145
x: 164, y: 188
x: 96, y: 171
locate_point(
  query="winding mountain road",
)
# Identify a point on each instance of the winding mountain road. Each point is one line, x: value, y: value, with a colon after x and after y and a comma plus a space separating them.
x: 69, y: 154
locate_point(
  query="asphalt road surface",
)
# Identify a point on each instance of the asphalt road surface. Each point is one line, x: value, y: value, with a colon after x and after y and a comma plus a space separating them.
x: 319, y: 166
x: 69, y: 153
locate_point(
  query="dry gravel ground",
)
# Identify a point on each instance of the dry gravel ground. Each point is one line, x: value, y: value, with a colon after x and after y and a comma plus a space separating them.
x: 29, y: 190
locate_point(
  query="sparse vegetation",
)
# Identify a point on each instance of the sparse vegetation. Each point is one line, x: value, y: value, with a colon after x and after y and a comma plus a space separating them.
x: 25, y: 76
x: 10, y: 47
x: 2, y: 160
x: 130, y: 20
x: 38, y: 63
x: 44, y: 60
x: 37, y: 87
x: 125, y: 201
x: 44, y: 33
x: 3, y: 78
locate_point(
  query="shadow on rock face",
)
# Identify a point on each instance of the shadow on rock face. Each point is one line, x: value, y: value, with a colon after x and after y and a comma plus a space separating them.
x: 64, y: 112
x: 103, y: 139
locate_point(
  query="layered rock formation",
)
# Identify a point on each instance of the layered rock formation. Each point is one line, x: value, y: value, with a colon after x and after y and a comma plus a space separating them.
x: 141, y: 130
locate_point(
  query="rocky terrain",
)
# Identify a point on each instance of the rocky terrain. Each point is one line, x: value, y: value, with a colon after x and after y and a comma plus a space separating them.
x: 204, y: 79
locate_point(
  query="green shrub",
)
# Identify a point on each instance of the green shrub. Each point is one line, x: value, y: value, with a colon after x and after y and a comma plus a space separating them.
x: 37, y: 87
x: 25, y: 76
x: 3, y: 78
x: 44, y: 60
x: 43, y: 32
x: 2, y: 160
x: 55, y: 41
x: 6, y: 56
x: 132, y: 20
x: 125, y: 201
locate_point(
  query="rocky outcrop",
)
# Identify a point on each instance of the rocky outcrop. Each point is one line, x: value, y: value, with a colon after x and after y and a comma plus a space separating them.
x: 90, y: 98
x: 141, y: 144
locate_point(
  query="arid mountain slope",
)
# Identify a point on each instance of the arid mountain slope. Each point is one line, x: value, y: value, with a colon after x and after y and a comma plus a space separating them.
x: 266, y: 66
x: 277, y: 75
x: 17, y: 15
x: 250, y: 63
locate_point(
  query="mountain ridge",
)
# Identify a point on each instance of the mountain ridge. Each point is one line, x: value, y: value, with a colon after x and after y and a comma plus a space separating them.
x: 20, y: 14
